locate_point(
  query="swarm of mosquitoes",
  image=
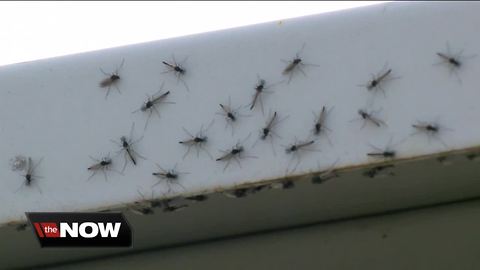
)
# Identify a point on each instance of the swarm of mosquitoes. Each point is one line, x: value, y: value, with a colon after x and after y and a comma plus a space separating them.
x: 198, y: 141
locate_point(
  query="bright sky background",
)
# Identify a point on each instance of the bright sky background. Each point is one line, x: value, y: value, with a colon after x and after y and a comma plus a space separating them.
x: 36, y: 30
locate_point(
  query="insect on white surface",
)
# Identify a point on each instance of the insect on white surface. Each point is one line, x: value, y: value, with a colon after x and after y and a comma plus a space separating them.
x: 103, y: 165
x: 268, y: 132
x: 230, y: 114
x: 112, y: 79
x: 197, y: 141
x: 295, y: 149
x: 30, y: 176
x: 378, y: 80
x: 296, y: 64
x: 260, y: 91
x: 152, y: 102
x: 431, y: 129
x: 320, y: 123
x: 178, y: 69
x: 369, y: 117
x: 454, y: 61
x: 236, y: 153
x: 126, y: 145
x: 170, y: 177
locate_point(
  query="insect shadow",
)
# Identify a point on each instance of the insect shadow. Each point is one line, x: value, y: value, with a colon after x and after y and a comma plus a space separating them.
x: 170, y: 177
x: 126, y: 145
x: 30, y: 178
x: 236, y: 153
x: 197, y: 141
x: 150, y: 105
x: 296, y: 64
x: 177, y: 69
x: 112, y: 79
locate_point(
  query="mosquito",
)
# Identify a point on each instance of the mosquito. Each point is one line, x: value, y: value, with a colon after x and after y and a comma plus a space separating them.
x: 231, y: 115
x: 268, y: 132
x: 379, y: 171
x: 431, y: 129
x: 296, y: 64
x: 169, y: 176
x: 30, y: 176
x: 380, y: 79
x: 320, y: 120
x: 387, y: 152
x: 152, y: 102
x: 197, y: 141
x: 235, y: 153
x: 111, y: 80
x: 178, y: 70
x: 454, y: 61
x: 103, y: 165
x: 327, y: 175
x: 260, y: 90
x: 126, y: 145
x: 369, y: 117
x: 295, y: 149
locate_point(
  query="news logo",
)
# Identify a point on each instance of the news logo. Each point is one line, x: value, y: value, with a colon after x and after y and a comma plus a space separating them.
x: 66, y: 229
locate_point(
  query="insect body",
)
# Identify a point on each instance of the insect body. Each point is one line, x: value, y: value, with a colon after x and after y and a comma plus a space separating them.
x: 111, y: 80
x: 126, y: 145
x: 178, y: 69
x: 260, y: 89
x: 296, y: 64
x: 231, y: 115
x: 152, y: 102
x: 319, y: 126
x: 101, y: 165
x: 235, y: 153
x: 295, y: 148
x: 169, y: 176
x: 375, y: 82
x: 450, y: 60
x: 298, y: 146
x: 431, y: 129
x: 198, y: 141
x: 30, y: 175
x: 369, y: 117
x: 379, y: 80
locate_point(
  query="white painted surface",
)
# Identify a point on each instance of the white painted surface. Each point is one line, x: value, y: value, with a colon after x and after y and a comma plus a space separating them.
x: 54, y: 108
